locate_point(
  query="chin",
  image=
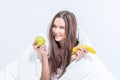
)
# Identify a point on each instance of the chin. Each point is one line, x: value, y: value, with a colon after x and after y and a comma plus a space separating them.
x: 58, y: 40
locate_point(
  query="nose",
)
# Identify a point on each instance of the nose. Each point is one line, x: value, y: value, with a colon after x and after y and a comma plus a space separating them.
x: 56, y: 30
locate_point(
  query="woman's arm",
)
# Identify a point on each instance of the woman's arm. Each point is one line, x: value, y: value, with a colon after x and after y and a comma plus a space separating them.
x: 41, y: 50
x: 45, y: 68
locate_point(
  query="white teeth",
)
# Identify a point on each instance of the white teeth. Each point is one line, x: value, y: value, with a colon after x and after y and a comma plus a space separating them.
x: 57, y: 36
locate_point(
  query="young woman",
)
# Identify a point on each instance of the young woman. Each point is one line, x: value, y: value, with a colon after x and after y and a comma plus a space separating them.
x: 62, y: 39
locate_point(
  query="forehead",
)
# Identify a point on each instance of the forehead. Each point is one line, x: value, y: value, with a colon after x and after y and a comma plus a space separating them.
x: 59, y: 21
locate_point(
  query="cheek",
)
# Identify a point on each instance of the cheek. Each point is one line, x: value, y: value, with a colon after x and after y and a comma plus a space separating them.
x: 64, y: 34
x: 53, y: 30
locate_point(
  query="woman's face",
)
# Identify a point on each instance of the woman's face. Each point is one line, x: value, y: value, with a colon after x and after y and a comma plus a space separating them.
x: 58, y: 29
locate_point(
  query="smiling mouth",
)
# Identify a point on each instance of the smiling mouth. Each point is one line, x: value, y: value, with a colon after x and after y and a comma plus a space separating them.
x: 57, y: 36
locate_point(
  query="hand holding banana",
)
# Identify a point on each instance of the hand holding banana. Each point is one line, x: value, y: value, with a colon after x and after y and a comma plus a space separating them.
x: 88, y: 48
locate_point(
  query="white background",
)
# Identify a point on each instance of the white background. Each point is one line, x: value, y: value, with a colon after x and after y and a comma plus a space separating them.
x: 22, y: 20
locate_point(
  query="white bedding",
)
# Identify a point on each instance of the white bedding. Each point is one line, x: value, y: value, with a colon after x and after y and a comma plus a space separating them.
x: 28, y: 67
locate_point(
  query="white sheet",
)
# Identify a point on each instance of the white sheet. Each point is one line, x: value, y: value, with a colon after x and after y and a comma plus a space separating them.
x: 87, y: 68
x: 28, y: 66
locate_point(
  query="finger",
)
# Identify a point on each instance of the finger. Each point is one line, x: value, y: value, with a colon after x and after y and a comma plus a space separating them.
x: 43, y: 47
x: 79, y: 55
x: 34, y: 43
x: 83, y: 50
x: 73, y: 57
x: 79, y: 52
x: 37, y: 46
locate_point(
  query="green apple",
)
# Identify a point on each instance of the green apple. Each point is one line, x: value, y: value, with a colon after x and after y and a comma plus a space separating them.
x: 40, y: 40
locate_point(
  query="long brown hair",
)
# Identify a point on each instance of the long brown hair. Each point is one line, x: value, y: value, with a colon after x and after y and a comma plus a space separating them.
x: 55, y: 59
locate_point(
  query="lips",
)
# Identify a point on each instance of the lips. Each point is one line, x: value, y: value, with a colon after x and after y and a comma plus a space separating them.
x: 57, y: 36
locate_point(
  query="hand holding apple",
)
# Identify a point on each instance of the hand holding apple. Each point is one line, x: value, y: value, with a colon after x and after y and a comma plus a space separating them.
x: 39, y: 46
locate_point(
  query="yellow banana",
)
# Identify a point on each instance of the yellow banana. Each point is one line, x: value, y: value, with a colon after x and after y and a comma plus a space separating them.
x: 89, y: 49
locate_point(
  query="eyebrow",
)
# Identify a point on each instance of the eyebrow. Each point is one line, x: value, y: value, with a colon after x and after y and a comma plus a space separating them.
x: 59, y: 25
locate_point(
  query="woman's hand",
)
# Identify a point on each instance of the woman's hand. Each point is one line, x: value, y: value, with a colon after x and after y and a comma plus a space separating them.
x: 41, y: 49
x: 79, y: 54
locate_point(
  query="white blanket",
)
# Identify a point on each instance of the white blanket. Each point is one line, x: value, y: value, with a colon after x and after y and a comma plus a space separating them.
x: 87, y: 68
x: 25, y: 67
x: 28, y: 67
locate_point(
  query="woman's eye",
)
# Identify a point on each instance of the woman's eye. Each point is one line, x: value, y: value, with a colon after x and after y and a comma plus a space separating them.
x: 62, y: 27
x: 54, y: 26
